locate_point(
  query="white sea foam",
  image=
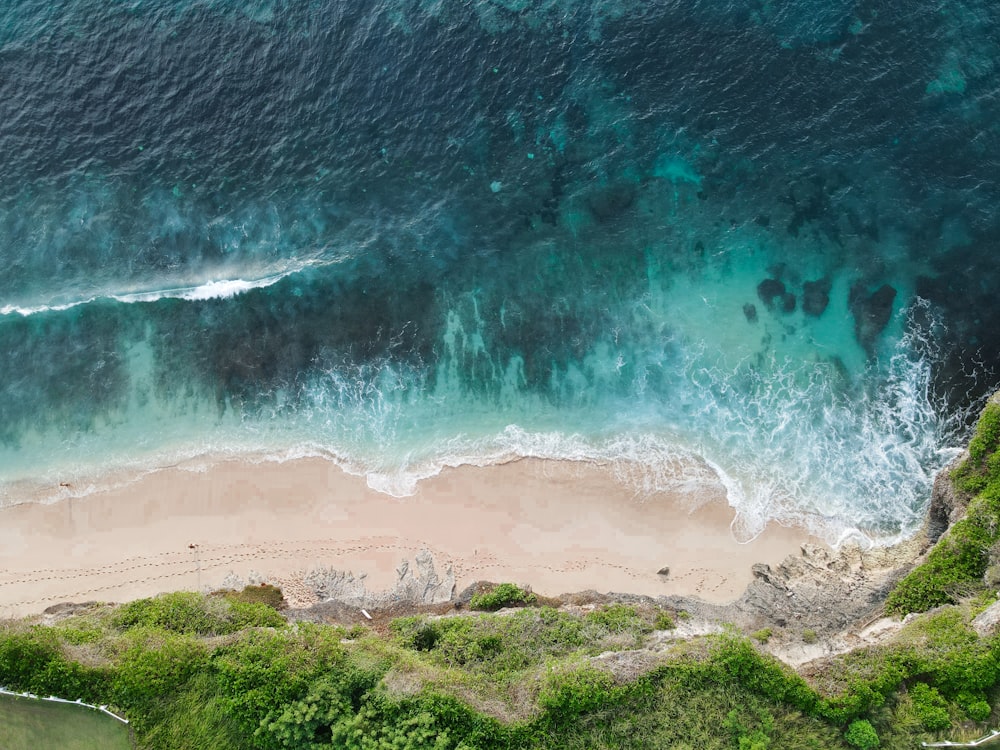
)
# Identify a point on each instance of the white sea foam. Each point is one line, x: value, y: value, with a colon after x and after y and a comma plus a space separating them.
x: 783, y: 440
x: 212, y: 289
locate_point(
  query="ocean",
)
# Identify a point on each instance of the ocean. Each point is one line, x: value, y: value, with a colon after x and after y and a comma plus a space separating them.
x: 704, y: 241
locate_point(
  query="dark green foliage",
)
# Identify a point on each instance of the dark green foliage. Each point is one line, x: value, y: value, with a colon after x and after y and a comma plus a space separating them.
x: 300, y: 687
x: 862, y: 735
x: 152, y: 671
x: 266, y: 670
x: 956, y: 565
x: 738, y: 661
x: 984, y: 443
x: 33, y: 661
x: 502, y: 595
x: 931, y: 708
x: 24, y: 656
x: 505, y: 645
x: 565, y: 696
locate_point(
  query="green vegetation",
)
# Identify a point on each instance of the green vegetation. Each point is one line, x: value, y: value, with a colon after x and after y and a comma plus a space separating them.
x: 861, y: 734
x: 34, y: 725
x: 763, y: 635
x: 502, y: 595
x: 664, y: 621
x: 954, y: 568
x: 228, y: 672
x: 195, y: 671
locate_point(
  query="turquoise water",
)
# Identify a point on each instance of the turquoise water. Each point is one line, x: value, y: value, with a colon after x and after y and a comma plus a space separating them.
x: 702, y: 242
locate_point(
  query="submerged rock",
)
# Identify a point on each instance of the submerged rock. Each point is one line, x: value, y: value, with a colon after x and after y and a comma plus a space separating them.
x: 768, y: 290
x: 750, y: 312
x: 609, y: 202
x: 872, y: 312
x: 816, y: 297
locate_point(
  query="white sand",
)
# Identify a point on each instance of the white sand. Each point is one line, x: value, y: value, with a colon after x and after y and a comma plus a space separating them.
x: 557, y: 526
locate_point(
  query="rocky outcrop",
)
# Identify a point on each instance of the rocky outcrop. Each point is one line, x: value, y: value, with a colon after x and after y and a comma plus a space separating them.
x: 416, y: 585
x: 987, y: 623
x: 948, y: 503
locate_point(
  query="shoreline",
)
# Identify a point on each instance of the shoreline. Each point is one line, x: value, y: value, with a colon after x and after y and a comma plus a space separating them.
x: 559, y: 526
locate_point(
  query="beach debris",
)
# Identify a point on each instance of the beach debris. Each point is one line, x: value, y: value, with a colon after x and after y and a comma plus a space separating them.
x: 365, y: 613
x: 664, y: 571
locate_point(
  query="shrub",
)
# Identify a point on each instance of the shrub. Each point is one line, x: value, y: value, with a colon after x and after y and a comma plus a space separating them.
x: 763, y: 635
x: 976, y: 709
x: 664, y: 621
x: 618, y: 618
x: 930, y: 707
x: 150, y: 674
x: 23, y: 656
x: 566, y: 695
x: 191, y: 613
x: 809, y: 636
x: 502, y: 595
x: 861, y: 734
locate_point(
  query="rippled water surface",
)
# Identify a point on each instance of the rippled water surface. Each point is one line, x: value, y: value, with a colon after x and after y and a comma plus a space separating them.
x: 749, y: 242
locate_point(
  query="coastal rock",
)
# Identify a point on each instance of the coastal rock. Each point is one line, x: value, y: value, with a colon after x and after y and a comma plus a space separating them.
x: 816, y: 297
x: 769, y: 290
x: 872, y: 312
x: 417, y: 584
x: 947, y: 502
x: 987, y: 622
x: 787, y: 302
x: 609, y: 202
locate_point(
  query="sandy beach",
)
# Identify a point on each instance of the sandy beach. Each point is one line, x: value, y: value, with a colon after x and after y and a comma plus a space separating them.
x: 556, y: 526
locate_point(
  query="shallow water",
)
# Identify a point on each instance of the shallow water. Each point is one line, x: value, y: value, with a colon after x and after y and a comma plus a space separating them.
x: 747, y: 243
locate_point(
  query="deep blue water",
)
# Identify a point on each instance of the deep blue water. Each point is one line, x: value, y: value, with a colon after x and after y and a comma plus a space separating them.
x: 748, y: 242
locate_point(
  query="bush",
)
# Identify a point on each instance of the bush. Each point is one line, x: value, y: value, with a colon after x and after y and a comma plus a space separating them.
x: 861, y: 734
x: 930, y: 707
x: 763, y: 635
x: 502, y: 595
x: 809, y: 636
x: 23, y: 656
x: 664, y: 621
x: 618, y: 618
x: 567, y: 695
x: 194, y: 614
x: 977, y: 709
x: 153, y: 671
